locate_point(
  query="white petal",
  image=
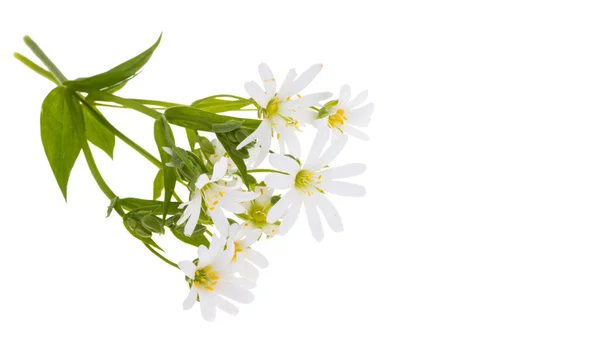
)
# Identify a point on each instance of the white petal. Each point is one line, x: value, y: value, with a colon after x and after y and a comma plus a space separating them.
x: 359, y: 134
x: 344, y: 171
x: 201, y: 181
x: 257, y: 258
x: 268, y: 79
x: 330, y: 213
x: 288, y: 84
x: 190, y: 300
x: 291, y: 216
x: 231, y: 206
x: 247, y: 270
x: 292, y: 142
x: 317, y: 148
x: 309, y: 100
x: 343, y: 188
x: 204, y: 256
x: 264, y: 142
x: 219, y: 170
x: 208, y: 306
x: 314, y: 220
x: 362, y: 112
x: 251, y: 236
x: 306, y: 78
x: 216, y: 245
x: 236, y: 293
x: 279, y: 208
x: 244, y: 283
x: 241, y: 196
x: 257, y: 93
x: 193, y: 212
x: 188, y: 268
x: 226, y: 306
x: 336, y: 146
x: 362, y: 97
x: 284, y: 163
x: 254, y: 135
x: 344, y: 95
x: 219, y: 219
x: 279, y: 181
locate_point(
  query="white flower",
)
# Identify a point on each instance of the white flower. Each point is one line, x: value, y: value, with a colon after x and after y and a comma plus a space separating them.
x: 308, y: 184
x: 255, y: 217
x: 221, y: 153
x: 344, y: 116
x: 245, y: 259
x: 217, y: 195
x: 283, y: 110
x: 212, y: 279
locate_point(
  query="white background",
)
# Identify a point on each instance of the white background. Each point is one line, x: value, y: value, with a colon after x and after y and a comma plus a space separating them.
x: 480, y: 227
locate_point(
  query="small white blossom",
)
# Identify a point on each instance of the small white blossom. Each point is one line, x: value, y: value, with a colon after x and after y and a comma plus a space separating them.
x: 213, y: 282
x: 245, y: 259
x: 255, y: 217
x: 308, y: 184
x: 216, y: 194
x: 345, y: 116
x: 283, y: 110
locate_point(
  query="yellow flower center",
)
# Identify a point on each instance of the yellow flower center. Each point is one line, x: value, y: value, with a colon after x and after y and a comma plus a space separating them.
x: 206, y: 278
x: 337, y: 120
x: 272, y: 107
x: 304, y: 179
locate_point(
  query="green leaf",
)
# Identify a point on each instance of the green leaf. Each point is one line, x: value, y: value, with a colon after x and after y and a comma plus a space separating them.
x: 117, y: 75
x: 235, y: 155
x: 163, y: 135
x: 97, y: 133
x: 59, y: 136
x: 197, y: 119
x: 132, y: 204
x: 196, y: 239
x: 218, y: 104
x: 228, y: 126
x: 159, y: 184
x: 152, y: 224
x: 192, y: 136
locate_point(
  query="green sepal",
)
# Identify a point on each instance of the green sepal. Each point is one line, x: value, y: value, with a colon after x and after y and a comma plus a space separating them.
x: 324, y: 111
x: 163, y: 136
x: 196, y: 239
x: 152, y: 224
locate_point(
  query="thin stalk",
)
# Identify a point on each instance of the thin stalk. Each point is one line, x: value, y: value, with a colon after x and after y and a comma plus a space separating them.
x: 34, y: 67
x: 161, y: 257
x: 56, y: 73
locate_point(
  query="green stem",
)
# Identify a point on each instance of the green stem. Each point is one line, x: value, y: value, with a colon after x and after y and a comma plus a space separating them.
x: 101, y: 119
x: 56, y: 73
x: 34, y: 67
x: 161, y: 257
x: 267, y: 171
x: 156, y: 103
x: 125, y: 102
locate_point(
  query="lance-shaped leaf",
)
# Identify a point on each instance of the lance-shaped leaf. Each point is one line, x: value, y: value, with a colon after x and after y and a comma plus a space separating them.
x: 132, y: 204
x: 59, y: 135
x: 115, y: 76
x: 97, y: 133
x: 219, y: 104
x: 197, y: 119
x: 163, y: 135
x: 158, y: 185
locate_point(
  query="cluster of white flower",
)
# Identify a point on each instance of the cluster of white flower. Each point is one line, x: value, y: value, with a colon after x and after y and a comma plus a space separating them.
x: 229, y: 267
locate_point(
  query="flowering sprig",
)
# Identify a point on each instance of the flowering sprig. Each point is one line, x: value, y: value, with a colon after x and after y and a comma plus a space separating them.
x: 227, y: 209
